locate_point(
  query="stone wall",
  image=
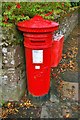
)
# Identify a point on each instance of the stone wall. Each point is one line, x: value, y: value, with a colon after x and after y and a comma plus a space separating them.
x: 67, y: 23
x: 13, y: 81
x: 0, y: 66
x: 12, y: 69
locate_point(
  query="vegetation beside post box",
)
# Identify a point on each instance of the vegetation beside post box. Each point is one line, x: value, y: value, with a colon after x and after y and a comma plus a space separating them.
x: 12, y: 12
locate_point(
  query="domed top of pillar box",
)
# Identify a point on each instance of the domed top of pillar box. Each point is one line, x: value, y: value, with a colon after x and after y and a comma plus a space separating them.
x: 37, y: 24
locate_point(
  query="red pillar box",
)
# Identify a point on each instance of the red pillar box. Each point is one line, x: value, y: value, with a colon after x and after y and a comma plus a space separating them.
x: 38, y: 42
x: 56, y: 51
x: 38, y: 57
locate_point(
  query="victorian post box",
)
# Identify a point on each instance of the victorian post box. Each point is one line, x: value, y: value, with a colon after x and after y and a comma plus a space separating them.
x: 38, y: 34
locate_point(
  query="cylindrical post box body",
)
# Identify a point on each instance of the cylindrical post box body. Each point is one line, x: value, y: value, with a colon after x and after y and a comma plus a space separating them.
x: 38, y: 58
x: 38, y: 74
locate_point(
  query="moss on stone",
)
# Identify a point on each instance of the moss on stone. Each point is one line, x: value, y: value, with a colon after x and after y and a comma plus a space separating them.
x: 11, y: 35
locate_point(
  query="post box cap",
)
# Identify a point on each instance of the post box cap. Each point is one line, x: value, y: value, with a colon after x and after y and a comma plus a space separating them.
x: 37, y: 24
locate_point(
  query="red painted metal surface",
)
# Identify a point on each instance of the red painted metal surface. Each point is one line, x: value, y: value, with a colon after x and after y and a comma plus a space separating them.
x: 38, y: 71
x: 38, y: 74
x: 56, y: 51
x: 37, y: 24
x: 38, y: 43
x: 37, y: 40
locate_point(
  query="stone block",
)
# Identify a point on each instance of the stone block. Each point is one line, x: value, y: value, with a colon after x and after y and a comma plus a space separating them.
x: 13, y: 83
x: 10, y: 76
x: 68, y: 23
x: 13, y: 92
x: 0, y: 58
x: 0, y: 94
x: 69, y: 90
x: 10, y: 93
x: 12, y: 56
x: 21, y: 88
x: 0, y: 76
x: 13, y: 75
x: 0, y: 113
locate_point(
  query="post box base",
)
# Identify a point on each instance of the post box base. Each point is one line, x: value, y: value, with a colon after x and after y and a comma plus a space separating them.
x: 40, y: 98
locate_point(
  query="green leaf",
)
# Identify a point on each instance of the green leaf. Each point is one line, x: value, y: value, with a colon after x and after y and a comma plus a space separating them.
x: 2, y: 102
